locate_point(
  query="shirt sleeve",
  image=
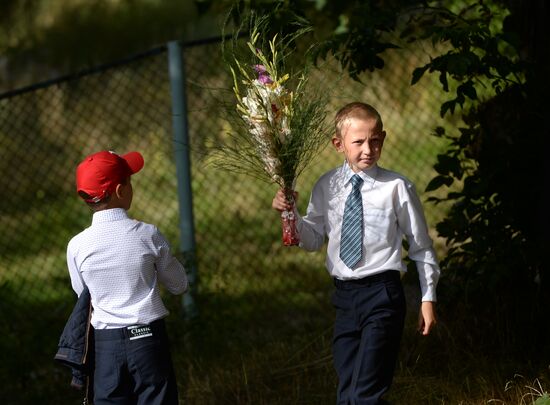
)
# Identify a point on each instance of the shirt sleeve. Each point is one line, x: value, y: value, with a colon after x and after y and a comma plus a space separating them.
x: 412, y: 222
x: 76, y: 278
x: 171, y: 273
x: 312, y: 227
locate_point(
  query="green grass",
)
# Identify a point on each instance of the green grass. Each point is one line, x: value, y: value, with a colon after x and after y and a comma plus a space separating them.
x: 270, y: 345
x: 276, y: 349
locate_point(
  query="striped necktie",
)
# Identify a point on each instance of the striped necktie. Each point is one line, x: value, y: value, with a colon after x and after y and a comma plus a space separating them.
x: 351, y: 241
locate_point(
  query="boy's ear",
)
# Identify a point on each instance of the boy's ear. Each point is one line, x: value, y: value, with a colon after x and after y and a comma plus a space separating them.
x: 119, y: 190
x: 338, y: 143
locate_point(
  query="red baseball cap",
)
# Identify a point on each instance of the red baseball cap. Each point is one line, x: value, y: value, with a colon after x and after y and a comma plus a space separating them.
x: 99, y: 174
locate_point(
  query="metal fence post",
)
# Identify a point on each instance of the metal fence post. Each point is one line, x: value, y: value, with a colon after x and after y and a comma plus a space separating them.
x: 183, y: 168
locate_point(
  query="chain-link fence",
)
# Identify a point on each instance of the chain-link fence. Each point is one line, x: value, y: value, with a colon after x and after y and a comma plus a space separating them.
x: 252, y: 291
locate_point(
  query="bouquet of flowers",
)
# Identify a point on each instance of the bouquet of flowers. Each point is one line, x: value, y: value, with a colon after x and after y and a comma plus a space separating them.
x: 279, y: 124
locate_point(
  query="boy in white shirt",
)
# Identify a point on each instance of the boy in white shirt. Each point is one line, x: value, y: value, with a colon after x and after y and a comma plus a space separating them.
x: 122, y: 261
x: 365, y: 211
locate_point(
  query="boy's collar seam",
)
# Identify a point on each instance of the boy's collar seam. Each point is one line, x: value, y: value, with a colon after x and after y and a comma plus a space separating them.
x: 348, y: 174
x: 109, y: 215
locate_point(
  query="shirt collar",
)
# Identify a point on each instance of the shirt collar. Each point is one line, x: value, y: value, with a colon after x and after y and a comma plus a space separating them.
x: 368, y: 175
x: 110, y: 215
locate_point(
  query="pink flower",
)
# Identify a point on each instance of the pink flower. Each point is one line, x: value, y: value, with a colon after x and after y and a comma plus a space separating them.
x: 263, y: 76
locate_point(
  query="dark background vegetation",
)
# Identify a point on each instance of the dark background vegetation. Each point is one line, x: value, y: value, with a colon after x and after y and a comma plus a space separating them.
x: 494, y: 66
x: 492, y: 60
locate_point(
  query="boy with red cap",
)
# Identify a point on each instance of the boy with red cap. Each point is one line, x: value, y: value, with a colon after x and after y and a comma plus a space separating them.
x: 122, y: 261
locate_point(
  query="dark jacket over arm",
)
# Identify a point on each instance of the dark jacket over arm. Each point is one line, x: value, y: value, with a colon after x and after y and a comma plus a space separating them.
x: 75, y: 348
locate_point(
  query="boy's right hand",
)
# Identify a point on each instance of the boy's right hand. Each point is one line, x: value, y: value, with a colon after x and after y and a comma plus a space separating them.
x: 280, y: 203
x: 426, y: 317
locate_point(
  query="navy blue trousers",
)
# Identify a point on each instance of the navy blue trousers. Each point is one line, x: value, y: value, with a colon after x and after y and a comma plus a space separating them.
x: 370, y: 315
x: 134, y: 367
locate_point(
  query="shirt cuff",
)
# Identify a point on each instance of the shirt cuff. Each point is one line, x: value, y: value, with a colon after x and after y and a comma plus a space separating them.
x: 428, y: 275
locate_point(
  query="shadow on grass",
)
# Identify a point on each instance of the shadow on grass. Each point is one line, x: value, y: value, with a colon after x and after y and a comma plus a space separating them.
x: 245, y: 348
x: 270, y: 346
x: 265, y: 347
x: 29, y: 341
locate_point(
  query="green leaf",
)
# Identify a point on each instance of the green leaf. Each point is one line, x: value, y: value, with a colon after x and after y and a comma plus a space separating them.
x: 378, y: 62
x: 443, y: 80
x: 446, y: 228
x: 468, y: 89
x: 446, y: 106
x: 503, y: 69
x: 439, y: 132
x: 435, y: 200
x: 439, y: 181
x: 343, y: 27
x: 544, y: 400
x: 418, y: 73
x: 454, y: 195
x: 459, y: 63
x: 448, y: 164
x: 320, y: 4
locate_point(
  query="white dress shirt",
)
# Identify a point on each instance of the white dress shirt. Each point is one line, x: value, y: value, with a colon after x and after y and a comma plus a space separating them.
x: 391, y: 210
x: 122, y: 261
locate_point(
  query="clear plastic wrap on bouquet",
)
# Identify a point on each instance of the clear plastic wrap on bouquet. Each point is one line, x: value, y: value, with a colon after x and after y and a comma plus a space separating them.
x: 291, y: 237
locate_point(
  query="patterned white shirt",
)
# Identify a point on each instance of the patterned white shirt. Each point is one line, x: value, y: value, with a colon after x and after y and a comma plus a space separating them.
x: 391, y: 210
x: 122, y: 261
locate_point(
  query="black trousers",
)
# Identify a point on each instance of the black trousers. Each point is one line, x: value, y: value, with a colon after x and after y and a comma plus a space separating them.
x: 133, y: 366
x: 370, y: 315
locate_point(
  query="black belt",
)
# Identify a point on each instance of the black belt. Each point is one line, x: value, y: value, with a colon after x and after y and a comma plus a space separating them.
x: 132, y: 332
x: 390, y: 275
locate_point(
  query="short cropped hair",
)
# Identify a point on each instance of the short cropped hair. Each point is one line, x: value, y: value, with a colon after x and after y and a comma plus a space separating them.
x: 96, y: 206
x: 356, y: 109
x: 104, y: 202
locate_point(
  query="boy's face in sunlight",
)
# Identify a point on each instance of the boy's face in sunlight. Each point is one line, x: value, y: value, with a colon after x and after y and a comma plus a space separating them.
x: 361, y: 142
